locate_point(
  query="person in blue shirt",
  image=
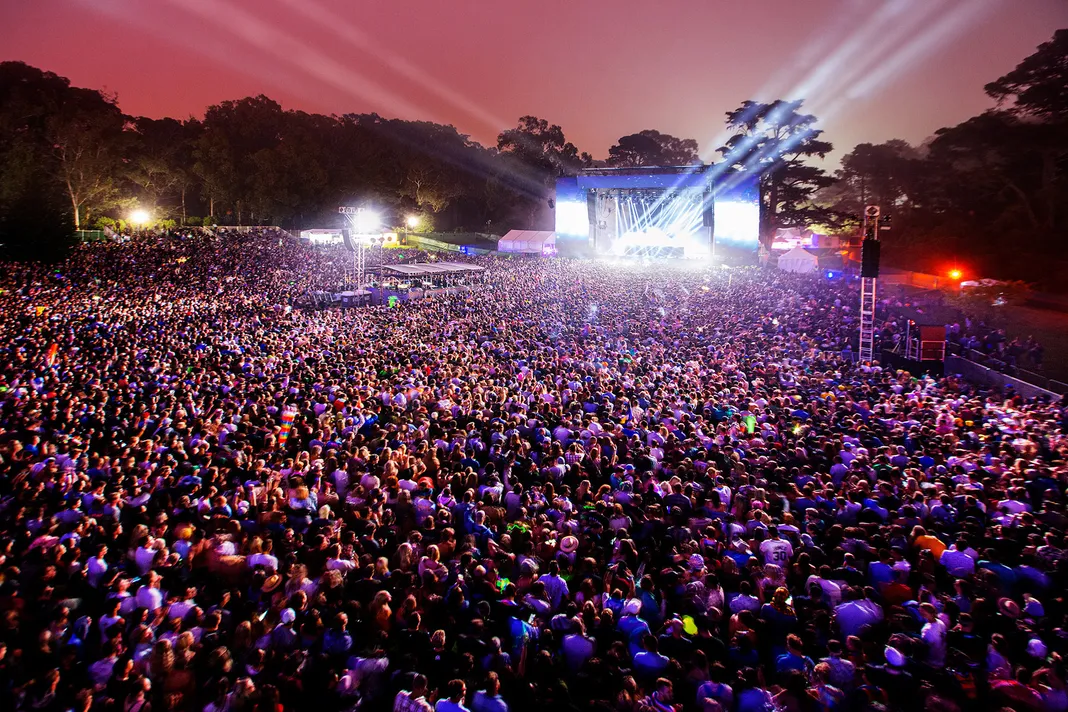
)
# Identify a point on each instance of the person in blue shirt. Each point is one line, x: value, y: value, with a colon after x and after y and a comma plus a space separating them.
x: 633, y: 628
x: 1006, y: 576
x: 337, y: 641
x: 881, y: 572
x: 794, y: 659
x: 750, y: 693
x: 650, y: 663
x: 453, y: 699
x: 489, y: 700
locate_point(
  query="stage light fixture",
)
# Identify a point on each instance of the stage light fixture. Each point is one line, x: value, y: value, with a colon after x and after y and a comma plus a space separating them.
x: 367, y: 222
x: 140, y: 217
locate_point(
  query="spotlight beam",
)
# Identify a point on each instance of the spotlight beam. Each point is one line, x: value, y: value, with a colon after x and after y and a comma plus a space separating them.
x: 356, y: 37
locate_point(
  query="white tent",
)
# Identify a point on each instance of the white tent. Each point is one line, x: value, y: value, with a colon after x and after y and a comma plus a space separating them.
x: 799, y: 261
x: 529, y: 242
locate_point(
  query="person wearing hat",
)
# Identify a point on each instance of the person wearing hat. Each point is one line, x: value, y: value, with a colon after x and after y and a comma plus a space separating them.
x: 899, y: 684
x: 284, y: 637
x: 271, y: 584
x: 632, y: 627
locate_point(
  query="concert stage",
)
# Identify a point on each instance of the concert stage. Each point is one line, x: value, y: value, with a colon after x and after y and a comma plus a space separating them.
x: 685, y: 212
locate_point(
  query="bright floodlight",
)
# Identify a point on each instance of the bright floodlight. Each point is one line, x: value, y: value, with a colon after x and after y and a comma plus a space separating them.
x: 954, y: 274
x: 140, y: 217
x: 413, y: 220
x: 368, y: 223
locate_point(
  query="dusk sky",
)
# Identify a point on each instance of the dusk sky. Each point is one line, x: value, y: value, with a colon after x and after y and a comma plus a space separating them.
x: 872, y: 70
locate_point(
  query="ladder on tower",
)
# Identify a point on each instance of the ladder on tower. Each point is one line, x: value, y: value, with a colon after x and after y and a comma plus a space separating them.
x: 867, y: 318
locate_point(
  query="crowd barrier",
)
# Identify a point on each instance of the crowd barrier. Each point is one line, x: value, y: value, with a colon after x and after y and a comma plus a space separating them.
x: 915, y: 279
x: 433, y: 245
x: 978, y: 373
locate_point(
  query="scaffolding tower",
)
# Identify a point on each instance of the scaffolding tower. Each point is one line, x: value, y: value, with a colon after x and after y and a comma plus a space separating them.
x: 868, y: 283
x: 867, y: 318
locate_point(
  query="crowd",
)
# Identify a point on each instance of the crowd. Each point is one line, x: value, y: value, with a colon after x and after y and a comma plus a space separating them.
x: 577, y: 486
x: 967, y: 335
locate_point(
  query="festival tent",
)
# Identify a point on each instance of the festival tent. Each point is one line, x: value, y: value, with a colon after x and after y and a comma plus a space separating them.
x: 798, y: 260
x: 528, y: 242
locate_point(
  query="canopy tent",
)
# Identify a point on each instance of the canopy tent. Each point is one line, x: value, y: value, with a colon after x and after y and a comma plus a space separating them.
x: 799, y: 261
x: 528, y: 242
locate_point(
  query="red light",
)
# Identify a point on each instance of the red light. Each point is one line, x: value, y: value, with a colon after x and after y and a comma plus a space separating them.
x: 955, y: 274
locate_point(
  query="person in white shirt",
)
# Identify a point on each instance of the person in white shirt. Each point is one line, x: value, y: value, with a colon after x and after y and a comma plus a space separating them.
x: 146, y: 554
x: 262, y: 556
x: 831, y: 590
x: 1013, y: 503
x: 334, y: 562
x: 179, y: 609
x: 934, y: 635
x: 957, y: 560
x: 112, y: 617
x: 97, y: 567
x: 776, y: 550
x: 555, y: 587
x: 149, y: 596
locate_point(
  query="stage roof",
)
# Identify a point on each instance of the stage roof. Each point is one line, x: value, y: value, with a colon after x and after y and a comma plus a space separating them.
x: 427, y: 269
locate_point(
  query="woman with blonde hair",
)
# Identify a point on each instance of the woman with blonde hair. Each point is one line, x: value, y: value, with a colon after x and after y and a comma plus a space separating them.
x: 380, y: 612
x: 298, y: 580
x: 302, y: 506
x: 161, y: 662
x: 403, y: 558
x: 432, y: 563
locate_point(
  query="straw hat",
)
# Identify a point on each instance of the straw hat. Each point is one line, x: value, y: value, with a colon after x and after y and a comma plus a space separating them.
x: 569, y: 544
x: 271, y: 583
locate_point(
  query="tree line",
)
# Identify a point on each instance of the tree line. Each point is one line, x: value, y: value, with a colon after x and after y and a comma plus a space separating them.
x: 973, y: 193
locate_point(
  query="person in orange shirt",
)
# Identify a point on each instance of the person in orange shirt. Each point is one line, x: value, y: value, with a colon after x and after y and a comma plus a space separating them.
x: 922, y: 540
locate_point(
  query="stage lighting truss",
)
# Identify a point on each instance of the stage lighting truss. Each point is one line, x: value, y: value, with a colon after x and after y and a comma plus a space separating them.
x: 370, y: 240
x: 658, y: 222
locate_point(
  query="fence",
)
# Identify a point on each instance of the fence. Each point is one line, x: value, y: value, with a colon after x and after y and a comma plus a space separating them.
x: 979, y: 373
x: 432, y: 245
x: 91, y: 235
x: 1015, y: 372
x: 915, y: 279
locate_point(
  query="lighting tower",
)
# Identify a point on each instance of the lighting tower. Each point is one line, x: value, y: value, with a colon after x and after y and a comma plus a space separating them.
x: 869, y: 275
x: 366, y: 224
x: 361, y: 261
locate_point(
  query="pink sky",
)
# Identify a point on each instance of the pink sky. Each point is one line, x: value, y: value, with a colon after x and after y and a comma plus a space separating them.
x: 872, y: 70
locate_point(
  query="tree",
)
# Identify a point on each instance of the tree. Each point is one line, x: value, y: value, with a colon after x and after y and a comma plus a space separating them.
x: 86, y: 133
x: 161, y: 162
x: 75, y: 135
x: 992, y: 169
x: 290, y: 176
x: 35, y: 215
x: 234, y: 131
x: 775, y: 141
x: 1038, y: 86
x: 1038, y: 91
x: 535, y: 154
x: 543, y: 147
x: 652, y: 148
x: 885, y: 174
